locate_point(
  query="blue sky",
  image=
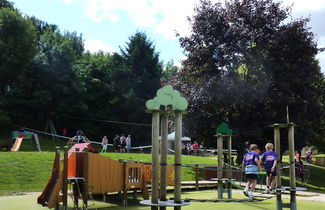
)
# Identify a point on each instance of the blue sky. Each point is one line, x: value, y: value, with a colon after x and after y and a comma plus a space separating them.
x: 107, y: 24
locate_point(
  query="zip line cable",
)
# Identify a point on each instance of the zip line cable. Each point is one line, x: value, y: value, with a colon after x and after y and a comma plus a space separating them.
x: 112, y: 121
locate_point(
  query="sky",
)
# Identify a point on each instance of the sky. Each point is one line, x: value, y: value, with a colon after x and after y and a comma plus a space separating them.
x: 107, y: 24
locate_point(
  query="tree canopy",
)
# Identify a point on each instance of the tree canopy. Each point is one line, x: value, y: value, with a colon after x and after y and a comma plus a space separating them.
x: 245, y: 64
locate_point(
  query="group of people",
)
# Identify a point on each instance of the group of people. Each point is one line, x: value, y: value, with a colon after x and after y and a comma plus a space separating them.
x: 252, y: 163
x: 121, y: 143
x: 192, y: 149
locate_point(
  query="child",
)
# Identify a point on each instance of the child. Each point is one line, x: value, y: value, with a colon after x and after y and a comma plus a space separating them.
x: 301, y: 171
x: 252, y: 163
x: 270, y: 159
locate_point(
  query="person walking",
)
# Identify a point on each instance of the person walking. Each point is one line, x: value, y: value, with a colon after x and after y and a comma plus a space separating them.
x: 251, y: 162
x: 104, y: 144
x: 270, y: 159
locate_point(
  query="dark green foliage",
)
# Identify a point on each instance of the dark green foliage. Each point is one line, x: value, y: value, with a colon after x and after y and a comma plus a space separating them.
x: 17, y: 46
x: 244, y: 66
x: 142, y: 82
x: 45, y: 75
x: 6, y: 4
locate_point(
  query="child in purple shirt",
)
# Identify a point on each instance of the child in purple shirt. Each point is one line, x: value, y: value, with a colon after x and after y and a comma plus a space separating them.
x: 251, y: 162
x: 270, y: 160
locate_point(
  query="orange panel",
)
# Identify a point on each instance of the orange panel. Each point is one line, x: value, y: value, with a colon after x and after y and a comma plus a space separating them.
x: 72, y: 165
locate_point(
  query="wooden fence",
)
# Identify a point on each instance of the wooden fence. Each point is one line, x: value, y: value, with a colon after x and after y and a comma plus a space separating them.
x: 320, y: 161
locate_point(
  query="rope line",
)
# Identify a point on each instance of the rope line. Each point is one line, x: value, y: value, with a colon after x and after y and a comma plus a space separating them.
x: 112, y: 121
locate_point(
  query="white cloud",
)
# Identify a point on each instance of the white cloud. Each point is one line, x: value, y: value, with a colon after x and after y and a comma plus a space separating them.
x: 96, y: 46
x: 165, y: 17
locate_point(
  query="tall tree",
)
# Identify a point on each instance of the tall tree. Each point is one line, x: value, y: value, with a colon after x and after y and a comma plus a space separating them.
x: 142, y: 82
x: 17, y: 46
x: 245, y: 65
x: 56, y: 93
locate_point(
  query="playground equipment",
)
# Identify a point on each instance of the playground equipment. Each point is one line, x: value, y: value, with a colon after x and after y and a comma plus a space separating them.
x: 17, y: 138
x: 89, y: 173
x: 167, y: 102
x: 279, y: 190
x: 223, y: 131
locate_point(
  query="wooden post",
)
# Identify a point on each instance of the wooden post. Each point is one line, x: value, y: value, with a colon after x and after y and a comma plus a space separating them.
x: 57, y: 161
x: 178, y: 160
x: 163, y: 159
x: 75, y: 187
x: 277, y: 144
x: 155, y: 159
x: 229, y: 185
x: 291, y: 139
x: 197, y: 177
x: 220, y: 166
x: 65, y: 179
x: 125, y: 177
x: 85, y: 176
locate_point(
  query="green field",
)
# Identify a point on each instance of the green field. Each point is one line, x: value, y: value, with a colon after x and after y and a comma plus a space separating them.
x: 30, y: 171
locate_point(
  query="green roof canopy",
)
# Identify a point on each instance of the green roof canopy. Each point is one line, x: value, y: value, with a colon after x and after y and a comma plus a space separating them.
x: 224, y: 129
x: 167, y: 99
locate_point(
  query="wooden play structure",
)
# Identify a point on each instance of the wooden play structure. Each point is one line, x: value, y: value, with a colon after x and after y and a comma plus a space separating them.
x: 166, y: 103
x: 87, y: 173
x: 223, y: 132
x: 292, y: 189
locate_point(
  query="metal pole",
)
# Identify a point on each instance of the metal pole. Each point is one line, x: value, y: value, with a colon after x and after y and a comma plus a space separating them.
x: 163, y: 159
x: 178, y: 160
x: 278, y: 166
x: 155, y: 159
x: 291, y: 139
x: 220, y: 166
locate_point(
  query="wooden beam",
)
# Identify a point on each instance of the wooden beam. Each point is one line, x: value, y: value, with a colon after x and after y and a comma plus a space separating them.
x: 178, y: 160
x: 163, y: 159
x: 155, y: 159
x: 277, y: 144
x: 292, y: 174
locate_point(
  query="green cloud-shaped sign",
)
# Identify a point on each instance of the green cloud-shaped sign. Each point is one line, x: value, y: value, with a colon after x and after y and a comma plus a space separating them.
x: 167, y: 96
x: 224, y: 129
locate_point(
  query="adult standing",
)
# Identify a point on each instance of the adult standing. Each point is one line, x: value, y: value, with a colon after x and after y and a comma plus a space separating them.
x: 104, y: 144
x: 116, y: 143
x: 128, y: 143
x: 195, y: 147
x: 123, y: 143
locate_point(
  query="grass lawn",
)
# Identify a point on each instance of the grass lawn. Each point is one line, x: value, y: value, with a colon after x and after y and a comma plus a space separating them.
x: 30, y: 171
x: 28, y: 202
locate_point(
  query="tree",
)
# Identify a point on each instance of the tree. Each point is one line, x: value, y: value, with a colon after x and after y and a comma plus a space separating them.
x: 142, y: 81
x: 244, y: 66
x: 6, y: 4
x: 169, y: 72
x: 17, y: 46
x: 55, y: 90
